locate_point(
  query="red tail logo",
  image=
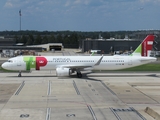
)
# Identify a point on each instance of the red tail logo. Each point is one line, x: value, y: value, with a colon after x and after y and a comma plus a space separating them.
x: 147, y: 45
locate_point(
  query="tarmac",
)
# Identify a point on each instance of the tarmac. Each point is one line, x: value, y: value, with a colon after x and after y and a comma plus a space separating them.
x: 40, y: 95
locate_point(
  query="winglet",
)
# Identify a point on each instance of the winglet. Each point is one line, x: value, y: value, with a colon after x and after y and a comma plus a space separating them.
x: 99, y: 61
x: 145, y: 47
x: 92, y: 54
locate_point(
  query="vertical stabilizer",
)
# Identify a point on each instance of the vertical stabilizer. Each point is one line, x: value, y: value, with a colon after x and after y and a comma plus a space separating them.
x: 144, y: 49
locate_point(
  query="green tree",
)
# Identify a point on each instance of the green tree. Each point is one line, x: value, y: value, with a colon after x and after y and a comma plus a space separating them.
x: 74, y: 38
x: 31, y: 38
x: 59, y: 39
x: 38, y: 40
x: 23, y: 39
x: 16, y: 39
x: 44, y: 40
x: 29, y: 42
x: 52, y: 39
x: 66, y: 39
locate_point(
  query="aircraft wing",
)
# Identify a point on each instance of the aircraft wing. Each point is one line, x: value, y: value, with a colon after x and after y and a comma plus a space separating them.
x: 81, y: 66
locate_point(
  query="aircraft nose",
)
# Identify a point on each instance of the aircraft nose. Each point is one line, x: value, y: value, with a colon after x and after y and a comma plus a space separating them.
x: 4, y: 66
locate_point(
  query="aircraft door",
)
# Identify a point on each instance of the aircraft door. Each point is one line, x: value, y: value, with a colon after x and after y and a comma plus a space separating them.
x: 130, y: 60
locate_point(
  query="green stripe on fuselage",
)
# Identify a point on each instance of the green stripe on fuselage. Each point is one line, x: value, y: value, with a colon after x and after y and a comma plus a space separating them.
x: 30, y: 62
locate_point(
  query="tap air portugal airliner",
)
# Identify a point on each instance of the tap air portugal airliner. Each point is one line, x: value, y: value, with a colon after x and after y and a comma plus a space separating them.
x: 66, y: 65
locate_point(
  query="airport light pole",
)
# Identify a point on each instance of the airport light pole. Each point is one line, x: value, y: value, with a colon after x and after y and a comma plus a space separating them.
x: 20, y: 18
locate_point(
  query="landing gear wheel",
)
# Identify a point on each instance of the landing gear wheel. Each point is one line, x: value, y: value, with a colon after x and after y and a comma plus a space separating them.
x: 19, y: 75
x: 79, y: 75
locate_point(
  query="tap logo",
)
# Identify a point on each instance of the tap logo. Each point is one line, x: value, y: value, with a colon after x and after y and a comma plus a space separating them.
x: 35, y: 62
x: 145, y: 47
x: 40, y: 62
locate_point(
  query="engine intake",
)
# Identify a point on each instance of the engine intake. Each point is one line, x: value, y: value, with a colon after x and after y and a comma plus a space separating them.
x: 63, y: 71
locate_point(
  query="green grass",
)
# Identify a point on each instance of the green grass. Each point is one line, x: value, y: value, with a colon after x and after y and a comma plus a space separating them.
x: 147, y: 67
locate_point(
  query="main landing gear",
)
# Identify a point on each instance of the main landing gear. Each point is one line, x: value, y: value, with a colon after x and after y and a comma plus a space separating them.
x: 19, y: 75
x: 79, y: 74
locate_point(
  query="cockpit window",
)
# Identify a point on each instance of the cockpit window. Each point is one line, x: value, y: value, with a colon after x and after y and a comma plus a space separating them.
x: 9, y: 61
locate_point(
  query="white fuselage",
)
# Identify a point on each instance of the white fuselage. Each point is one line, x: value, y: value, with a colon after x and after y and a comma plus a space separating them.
x: 81, y: 62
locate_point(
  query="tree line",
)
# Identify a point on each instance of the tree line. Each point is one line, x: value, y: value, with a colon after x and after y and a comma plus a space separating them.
x: 70, y: 39
x: 67, y: 40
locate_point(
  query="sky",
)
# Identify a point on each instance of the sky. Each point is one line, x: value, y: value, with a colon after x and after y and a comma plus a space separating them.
x: 80, y: 15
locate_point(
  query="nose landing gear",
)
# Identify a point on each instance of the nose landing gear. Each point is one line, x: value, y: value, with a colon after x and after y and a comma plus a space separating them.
x: 19, y: 75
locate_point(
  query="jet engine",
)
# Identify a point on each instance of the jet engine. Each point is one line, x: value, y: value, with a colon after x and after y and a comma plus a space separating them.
x: 63, y: 72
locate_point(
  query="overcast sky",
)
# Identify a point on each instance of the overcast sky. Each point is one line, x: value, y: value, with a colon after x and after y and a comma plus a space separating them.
x: 80, y: 15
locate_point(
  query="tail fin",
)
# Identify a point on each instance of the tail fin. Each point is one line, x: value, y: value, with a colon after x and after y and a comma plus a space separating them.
x: 144, y: 49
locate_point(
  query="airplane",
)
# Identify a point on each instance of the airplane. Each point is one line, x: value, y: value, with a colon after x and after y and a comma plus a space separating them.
x: 66, y: 65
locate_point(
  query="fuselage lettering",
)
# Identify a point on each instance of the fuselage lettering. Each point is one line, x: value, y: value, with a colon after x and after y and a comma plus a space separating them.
x: 62, y: 59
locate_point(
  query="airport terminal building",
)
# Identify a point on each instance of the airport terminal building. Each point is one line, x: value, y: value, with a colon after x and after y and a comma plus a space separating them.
x: 109, y: 45
x: 112, y: 45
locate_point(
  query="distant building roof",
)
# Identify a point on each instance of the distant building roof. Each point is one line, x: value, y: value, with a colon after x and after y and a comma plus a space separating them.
x: 20, y: 44
x: 7, y: 41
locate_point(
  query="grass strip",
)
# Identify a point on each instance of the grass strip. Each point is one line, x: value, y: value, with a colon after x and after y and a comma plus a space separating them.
x: 146, y: 67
